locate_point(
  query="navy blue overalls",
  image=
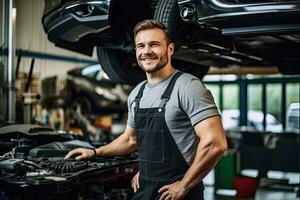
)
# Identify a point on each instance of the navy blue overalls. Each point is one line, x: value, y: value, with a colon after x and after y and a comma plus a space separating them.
x: 160, y: 161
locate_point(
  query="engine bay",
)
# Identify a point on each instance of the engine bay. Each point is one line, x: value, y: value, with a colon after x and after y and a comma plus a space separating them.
x: 32, y: 171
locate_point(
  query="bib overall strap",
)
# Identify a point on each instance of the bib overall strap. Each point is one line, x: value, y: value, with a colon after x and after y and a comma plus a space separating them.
x: 139, y: 96
x: 166, y: 95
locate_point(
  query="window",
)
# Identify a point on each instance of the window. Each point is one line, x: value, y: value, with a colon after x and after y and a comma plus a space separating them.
x: 268, y: 99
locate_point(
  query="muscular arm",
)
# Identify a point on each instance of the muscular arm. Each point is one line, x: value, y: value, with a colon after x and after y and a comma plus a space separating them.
x: 124, y: 144
x: 211, y: 147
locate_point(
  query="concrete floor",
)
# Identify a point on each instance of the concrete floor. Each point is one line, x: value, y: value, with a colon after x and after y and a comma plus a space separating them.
x: 267, y: 190
x: 261, y: 194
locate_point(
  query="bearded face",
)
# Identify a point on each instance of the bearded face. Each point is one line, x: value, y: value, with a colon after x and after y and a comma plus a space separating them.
x: 151, y: 50
x: 151, y: 62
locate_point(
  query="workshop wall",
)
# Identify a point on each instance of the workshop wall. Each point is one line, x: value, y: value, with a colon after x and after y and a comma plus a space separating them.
x: 30, y: 36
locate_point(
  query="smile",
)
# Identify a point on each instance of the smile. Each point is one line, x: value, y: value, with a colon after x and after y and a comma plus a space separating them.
x: 148, y: 59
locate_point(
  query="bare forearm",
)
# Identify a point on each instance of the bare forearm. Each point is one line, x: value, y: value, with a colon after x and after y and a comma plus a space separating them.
x: 206, y: 158
x: 211, y: 146
x: 121, y: 146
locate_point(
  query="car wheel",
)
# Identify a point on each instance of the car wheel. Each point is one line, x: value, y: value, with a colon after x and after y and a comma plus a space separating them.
x: 85, y: 105
x: 119, y: 62
x: 167, y: 12
x: 120, y: 66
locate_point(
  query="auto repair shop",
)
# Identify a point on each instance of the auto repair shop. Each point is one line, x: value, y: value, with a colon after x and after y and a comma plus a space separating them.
x: 72, y: 121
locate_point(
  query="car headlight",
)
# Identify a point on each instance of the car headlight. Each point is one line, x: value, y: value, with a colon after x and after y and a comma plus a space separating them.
x: 106, y: 93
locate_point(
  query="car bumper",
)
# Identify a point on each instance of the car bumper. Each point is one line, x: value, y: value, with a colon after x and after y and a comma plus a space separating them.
x: 266, y: 17
x: 72, y: 22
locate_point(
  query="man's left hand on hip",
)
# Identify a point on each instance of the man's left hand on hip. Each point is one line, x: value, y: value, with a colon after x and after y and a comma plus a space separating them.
x: 174, y: 191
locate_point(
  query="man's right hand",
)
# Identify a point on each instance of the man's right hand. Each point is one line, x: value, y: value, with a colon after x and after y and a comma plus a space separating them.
x: 80, y: 154
x: 135, y: 182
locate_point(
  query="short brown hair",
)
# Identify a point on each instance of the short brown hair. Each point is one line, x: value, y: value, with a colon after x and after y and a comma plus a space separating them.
x: 151, y: 24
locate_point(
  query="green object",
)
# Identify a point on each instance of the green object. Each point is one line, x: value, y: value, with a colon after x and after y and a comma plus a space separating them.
x: 225, y: 170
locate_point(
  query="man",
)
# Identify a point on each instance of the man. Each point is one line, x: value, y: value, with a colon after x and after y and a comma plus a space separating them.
x: 172, y: 122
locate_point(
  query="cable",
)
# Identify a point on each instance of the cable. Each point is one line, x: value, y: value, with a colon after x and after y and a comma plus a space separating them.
x: 32, y: 163
x: 6, y: 155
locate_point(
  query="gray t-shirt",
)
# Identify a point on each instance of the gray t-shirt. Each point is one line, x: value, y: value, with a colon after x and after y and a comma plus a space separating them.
x: 189, y: 104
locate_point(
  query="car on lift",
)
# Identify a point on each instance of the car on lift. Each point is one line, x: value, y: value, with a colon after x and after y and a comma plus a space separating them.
x: 94, y: 92
x: 218, y: 33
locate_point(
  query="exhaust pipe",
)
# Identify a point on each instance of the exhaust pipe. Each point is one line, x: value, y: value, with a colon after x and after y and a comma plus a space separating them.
x: 187, y: 14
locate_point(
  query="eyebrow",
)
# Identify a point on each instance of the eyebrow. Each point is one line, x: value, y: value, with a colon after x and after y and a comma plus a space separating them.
x: 151, y: 42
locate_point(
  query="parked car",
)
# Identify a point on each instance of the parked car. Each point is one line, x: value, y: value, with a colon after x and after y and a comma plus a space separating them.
x: 293, y: 117
x: 207, y: 32
x: 230, y: 120
x: 91, y: 88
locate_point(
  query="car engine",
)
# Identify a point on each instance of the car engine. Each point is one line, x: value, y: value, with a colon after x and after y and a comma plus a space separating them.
x: 33, y: 171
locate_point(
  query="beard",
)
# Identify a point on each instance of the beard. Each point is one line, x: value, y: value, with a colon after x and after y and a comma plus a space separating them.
x: 163, y: 60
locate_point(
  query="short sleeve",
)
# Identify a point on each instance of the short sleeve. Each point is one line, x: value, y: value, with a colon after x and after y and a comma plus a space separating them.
x: 130, y: 118
x: 197, y: 101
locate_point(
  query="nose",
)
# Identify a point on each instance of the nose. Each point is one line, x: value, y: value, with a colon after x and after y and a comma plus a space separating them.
x: 147, y: 49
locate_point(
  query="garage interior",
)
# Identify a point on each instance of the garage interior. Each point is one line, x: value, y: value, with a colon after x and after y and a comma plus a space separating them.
x: 53, y: 100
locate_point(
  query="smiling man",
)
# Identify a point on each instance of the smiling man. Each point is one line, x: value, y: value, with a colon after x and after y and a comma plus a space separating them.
x: 173, y: 122
x: 152, y: 55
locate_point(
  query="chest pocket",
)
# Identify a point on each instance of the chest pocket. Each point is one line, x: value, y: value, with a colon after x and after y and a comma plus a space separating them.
x: 147, y: 140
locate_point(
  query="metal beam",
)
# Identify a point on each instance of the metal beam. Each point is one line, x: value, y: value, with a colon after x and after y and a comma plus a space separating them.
x: 38, y: 55
x: 243, y: 102
x: 9, y: 90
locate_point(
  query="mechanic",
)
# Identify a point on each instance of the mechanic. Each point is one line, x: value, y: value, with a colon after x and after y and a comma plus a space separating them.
x: 173, y: 123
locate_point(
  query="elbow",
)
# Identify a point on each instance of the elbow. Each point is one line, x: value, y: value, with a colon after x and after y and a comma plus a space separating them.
x: 222, y: 147
x: 132, y: 145
x: 218, y: 148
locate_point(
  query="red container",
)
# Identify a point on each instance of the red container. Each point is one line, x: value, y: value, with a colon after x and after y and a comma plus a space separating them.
x: 245, y: 187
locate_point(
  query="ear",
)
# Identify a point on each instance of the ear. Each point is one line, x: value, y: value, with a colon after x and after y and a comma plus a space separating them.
x: 171, y: 48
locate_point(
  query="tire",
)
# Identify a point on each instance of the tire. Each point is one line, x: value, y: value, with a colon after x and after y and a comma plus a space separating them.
x: 85, y: 104
x: 167, y: 13
x: 120, y: 66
